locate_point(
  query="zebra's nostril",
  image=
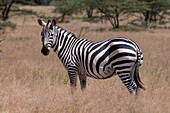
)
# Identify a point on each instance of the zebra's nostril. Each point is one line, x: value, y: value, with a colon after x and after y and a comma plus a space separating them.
x: 45, y: 50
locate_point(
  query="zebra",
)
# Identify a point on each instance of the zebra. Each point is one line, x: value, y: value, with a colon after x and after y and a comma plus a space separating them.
x: 98, y: 59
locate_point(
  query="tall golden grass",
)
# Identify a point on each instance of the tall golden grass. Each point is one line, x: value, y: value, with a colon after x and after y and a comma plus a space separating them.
x: 33, y: 83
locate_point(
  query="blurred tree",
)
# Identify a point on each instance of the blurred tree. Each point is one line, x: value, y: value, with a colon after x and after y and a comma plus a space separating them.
x: 25, y: 2
x: 152, y: 11
x: 112, y: 9
x: 64, y: 7
x: 42, y: 2
x: 157, y: 11
x: 88, y: 6
x: 5, y: 6
x: 34, y: 2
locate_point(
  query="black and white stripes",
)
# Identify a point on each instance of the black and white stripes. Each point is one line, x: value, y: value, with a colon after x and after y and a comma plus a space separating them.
x: 99, y: 60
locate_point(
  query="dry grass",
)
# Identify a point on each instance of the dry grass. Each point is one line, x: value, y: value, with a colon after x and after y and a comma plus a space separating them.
x: 32, y: 83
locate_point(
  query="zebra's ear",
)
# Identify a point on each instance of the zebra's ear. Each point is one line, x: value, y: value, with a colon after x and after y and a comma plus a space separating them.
x: 41, y: 23
x: 49, y: 23
x: 54, y: 22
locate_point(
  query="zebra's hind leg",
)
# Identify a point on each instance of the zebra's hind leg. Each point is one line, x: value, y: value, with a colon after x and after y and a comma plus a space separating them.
x: 128, y: 82
x: 82, y: 79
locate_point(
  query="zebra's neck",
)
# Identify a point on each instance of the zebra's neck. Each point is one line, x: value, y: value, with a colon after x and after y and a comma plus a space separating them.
x: 64, y: 41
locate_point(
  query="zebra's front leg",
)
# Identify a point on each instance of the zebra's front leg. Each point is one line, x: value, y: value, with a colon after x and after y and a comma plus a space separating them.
x: 82, y: 79
x: 73, y: 81
x: 128, y: 82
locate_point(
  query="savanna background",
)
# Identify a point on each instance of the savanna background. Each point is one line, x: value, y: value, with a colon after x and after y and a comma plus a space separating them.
x: 33, y: 83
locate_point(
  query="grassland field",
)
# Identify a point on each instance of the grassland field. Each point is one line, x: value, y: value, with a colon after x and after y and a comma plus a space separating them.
x: 33, y: 83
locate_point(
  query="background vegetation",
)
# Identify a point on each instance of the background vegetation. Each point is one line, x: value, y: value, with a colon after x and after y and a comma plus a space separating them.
x: 146, y: 12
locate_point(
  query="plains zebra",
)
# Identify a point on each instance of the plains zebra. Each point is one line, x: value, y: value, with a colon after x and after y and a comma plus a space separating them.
x: 99, y: 60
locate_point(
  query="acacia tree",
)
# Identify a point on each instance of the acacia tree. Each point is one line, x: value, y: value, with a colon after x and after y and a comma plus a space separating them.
x: 112, y: 10
x: 151, y: 11
x: 88, y: 6
x: 5, y: 8
x: 64, y: 7
x: 157, y: 10
x: 147, y: 11
x: 40, y: 2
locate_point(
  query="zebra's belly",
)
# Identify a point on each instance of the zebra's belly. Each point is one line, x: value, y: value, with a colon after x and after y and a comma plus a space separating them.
x: 105, y: 75
x: 102, y: 74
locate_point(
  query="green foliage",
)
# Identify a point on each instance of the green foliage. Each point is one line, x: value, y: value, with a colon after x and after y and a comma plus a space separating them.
x: 152, y: 10
x: 33, y: 2
x: 31, y: 12
x: 146, y: 11
x: 5, y: 8
x: 25, y: 2
x: 41, y: 15
x: 8, y: 24
x: 28, y: 12
x: 93, y: 19
x: 129, y: 28
x: 64, y: 7
x: 42, y: 2
x: 111, y: 10
x: 101, y: 29
x: 87, y: 5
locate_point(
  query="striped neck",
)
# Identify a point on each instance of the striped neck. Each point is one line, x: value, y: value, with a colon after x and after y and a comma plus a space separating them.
x: 63, y: 40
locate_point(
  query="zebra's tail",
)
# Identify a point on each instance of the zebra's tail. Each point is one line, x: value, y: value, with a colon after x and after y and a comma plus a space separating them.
x: 136, y: 70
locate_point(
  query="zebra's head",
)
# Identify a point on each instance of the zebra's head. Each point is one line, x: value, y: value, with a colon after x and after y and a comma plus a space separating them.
x: 48, y: 34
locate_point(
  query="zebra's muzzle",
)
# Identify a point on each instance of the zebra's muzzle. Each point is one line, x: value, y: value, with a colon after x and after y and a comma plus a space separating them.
x: 45, y: 51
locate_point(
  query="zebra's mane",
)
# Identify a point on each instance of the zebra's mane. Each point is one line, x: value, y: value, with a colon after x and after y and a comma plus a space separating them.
x: 62, y: 29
